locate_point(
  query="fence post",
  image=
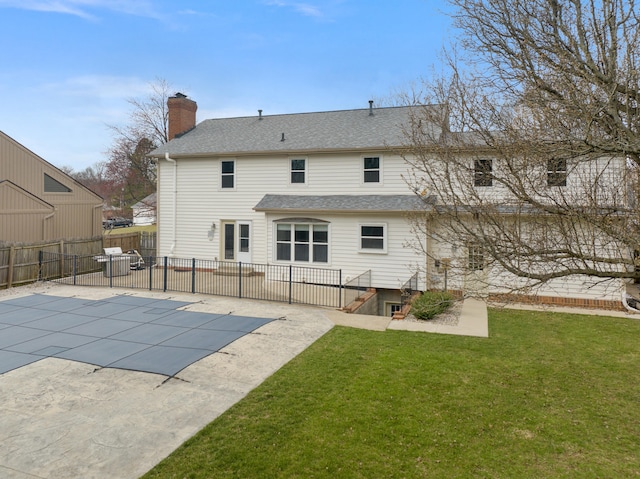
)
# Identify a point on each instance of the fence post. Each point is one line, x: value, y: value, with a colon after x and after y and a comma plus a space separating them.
x: 40, y: 258
x: 62, y: 259
x: 111, y: 271
x: 340, y: 288
x: 239, y: 279
x: 75, y: 267
x: 164, y: 288
x: 12, y: 253
x: 290, y: 283
x: 193, y: 275
x: 150, y: 273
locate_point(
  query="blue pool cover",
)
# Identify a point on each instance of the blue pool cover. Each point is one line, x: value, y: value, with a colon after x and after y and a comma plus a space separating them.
x: 125, y: 332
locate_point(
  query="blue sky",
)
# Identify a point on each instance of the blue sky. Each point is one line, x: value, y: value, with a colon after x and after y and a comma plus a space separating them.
x: 70, y: 65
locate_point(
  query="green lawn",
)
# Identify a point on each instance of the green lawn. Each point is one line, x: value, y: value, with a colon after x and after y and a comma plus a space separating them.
x: 546, y: 396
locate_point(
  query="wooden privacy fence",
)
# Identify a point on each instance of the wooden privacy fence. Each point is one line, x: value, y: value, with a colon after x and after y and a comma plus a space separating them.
x: 143, y: 242
x: 19, y: 262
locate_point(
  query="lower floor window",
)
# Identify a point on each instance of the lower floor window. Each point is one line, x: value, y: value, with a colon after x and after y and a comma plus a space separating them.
x: 476, y: 258
x: 372, y: 238
x: 305, y: 243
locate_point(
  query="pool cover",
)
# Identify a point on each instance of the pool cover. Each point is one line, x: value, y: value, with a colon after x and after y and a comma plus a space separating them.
x: 125, y: 332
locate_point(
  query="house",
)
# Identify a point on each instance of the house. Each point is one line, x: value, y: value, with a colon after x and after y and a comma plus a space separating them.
x: 39, y: 202
x: 144, y: 211
x: 324, y: 190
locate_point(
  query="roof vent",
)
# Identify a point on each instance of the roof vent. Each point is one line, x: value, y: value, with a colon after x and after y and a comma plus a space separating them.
x: 259, y: 114
x: 282, y: 139
x: 370, y: 107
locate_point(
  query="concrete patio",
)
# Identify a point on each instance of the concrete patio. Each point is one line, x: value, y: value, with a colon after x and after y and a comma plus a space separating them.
x: 67, y: 419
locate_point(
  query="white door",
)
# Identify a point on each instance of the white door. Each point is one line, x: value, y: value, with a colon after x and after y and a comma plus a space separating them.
x: 244, y: 241
x: 476, y: 278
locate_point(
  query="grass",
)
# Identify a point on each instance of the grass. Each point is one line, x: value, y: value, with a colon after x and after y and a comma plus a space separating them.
x: 546, y: 396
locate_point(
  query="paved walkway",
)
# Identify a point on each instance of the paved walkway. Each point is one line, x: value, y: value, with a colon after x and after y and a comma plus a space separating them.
x: 472, y: 322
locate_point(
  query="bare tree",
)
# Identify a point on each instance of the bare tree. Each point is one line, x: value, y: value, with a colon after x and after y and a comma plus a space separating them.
x: 128, y: 166
x: 528, y: 165
x: 93, y: 177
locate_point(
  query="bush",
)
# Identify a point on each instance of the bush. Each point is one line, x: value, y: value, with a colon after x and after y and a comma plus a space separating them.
x: 430, y: 304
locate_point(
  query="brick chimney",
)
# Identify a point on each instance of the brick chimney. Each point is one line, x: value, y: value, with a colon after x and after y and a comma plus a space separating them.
x: 182, y: 114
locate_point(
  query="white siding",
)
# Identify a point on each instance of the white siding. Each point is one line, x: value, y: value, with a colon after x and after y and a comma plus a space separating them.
x: 390, y: 269
x: 202, y: 203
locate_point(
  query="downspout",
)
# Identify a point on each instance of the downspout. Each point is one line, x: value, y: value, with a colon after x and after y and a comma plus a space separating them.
x: 175, y: 201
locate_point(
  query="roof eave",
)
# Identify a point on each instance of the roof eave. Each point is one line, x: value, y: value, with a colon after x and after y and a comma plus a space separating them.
x: 216, y: 154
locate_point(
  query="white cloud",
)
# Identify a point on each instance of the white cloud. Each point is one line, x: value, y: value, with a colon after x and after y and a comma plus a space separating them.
x: 100, y: 86
x: 85, y: 8
x: 305, y: 9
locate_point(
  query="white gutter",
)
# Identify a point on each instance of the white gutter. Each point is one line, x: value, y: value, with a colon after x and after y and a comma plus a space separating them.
x: 175, y: 202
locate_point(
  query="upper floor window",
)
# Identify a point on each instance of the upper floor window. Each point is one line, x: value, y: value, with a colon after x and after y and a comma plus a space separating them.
x: 228, y: 173
x: 482, y: 173
x: 52, y: 185
x: 298, y: 171
x: 557, y: 172
x: 373, y: 238
x: 372, y: 169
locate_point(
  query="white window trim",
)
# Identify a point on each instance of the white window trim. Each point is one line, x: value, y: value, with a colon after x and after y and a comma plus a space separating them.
x: 380, y: 170
x: 490, y: 177
x: 306, y: 170
x: 235, y: 174
x: 558, y: 172
x: 476, y: 258
x: 274, y: 228
x: 385, y: 241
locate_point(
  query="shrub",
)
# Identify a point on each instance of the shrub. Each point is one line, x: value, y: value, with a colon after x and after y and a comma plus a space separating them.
x: 430, y: 304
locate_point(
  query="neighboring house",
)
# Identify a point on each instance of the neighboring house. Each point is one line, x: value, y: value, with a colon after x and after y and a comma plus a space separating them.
x: 323, y: 189
x: 39, y: 202
x: 144, y: 211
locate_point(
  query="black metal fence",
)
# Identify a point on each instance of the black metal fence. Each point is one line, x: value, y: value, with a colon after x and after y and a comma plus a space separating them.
x: 285, y: 283
x: 408, y: 288
x: 356, y: 287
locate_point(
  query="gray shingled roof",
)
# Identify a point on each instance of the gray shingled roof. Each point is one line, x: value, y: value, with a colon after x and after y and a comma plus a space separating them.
x: 346, y: 130
x: 359, y: 203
